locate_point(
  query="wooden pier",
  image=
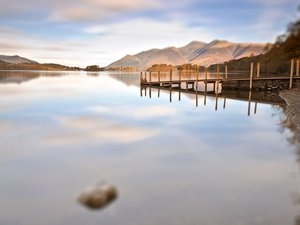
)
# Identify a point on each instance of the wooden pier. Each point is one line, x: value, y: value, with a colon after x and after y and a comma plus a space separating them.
x: 249, y: 82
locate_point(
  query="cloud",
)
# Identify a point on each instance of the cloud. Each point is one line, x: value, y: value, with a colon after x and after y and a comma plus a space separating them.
x: 35, y: 28
x: 145, y: 112
x: 78, y: 130
x: 80, y: 10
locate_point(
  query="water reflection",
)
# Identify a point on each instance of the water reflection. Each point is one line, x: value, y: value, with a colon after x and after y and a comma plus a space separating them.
x: 250, y: 97
x: 173, y: 163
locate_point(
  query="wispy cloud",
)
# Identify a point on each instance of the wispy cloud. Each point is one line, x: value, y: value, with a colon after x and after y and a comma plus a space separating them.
x: 44, y: 27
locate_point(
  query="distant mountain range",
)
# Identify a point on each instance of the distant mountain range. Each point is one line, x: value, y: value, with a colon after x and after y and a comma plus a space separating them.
x: 195, y: 53
x: 15, y: 59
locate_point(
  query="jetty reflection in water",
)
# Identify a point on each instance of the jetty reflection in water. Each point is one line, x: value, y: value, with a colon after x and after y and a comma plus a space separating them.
x: 217, y: 94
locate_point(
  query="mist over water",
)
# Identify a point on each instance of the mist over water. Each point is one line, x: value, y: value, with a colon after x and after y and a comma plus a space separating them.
x: 172, y: 163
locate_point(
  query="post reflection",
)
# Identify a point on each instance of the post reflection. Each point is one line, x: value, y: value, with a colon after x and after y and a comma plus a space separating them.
x: 249, y: 97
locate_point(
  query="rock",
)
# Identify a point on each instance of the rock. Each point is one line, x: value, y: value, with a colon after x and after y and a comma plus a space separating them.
x: 98, y: 196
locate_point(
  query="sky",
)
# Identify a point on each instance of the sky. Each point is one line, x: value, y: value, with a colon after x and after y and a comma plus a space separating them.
x: 99, y: 32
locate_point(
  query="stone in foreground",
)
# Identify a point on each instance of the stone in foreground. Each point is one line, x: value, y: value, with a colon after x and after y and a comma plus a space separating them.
x: 98, y: 196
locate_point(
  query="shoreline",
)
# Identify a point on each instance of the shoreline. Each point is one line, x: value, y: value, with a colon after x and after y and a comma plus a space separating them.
x: 292, y: 112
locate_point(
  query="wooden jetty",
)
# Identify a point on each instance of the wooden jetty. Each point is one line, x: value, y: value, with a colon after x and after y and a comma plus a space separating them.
x: 250, y: 82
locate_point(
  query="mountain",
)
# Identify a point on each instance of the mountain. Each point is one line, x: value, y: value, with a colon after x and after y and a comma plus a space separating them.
x: 16, y: 59
x: 195, y: 53
x: 276, y: 60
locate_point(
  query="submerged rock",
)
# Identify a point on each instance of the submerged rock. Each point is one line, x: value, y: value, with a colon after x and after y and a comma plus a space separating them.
x: 98, y: 196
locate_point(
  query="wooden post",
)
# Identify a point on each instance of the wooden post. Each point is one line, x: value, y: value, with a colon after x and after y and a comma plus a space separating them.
x: 170, y: 78
x: 179, y: 95
x: 297, y: 68
x: 170, y: 95
x: 180, y: 76
x: 158, y: 92
x: 255, y: 108
x: 150, y: 78
x: 205, y: 79
x: 291, y: 74
x: 159, y: 78
x: 145, y: 75
x: 218, y: 75
x: 141, y: 78
x: 197, y: 78
x: 205, y: 87
x: 258, y: 70
x: 251, y: 76
x: 150, y: 91
x: 141, y: 90
x: 226, y: 71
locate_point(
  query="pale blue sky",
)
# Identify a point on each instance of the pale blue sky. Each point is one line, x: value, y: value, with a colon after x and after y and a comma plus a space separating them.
x: 84, y: 32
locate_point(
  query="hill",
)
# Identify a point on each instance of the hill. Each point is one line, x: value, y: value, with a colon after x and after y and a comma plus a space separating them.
x: 277, y: 60
x: 20, y: 63
x: 16, y: 59
x: 194, y: 53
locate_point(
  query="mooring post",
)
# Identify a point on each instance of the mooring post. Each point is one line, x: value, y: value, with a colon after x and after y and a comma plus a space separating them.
x: 197, y: 78
x: 251, y: 76
x: 145, y: 75
x: 224, y: 105
x: 150, y: 91
x: 141, y: 90
x: 255, y: 108
x: 179, y: 95
x: 158, y: 92
x: 170, y: 95
x: 205, y: 79
x: 141, y: 78
x: 226, y: 71
x: 159, y: 78
x: 258, y: 70
x: 291, y: 74
x: 218, y: 75
x: 297, y: 68
x: 180, y: 77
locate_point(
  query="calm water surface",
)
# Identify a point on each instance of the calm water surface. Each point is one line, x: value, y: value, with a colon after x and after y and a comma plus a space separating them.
x: 173, y: 163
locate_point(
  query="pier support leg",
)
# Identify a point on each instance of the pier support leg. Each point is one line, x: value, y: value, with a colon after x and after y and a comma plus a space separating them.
x: 251, y: 76
x: 291, y: 74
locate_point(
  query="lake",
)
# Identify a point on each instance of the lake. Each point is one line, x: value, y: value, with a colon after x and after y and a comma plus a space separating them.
x: 172, y: 162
